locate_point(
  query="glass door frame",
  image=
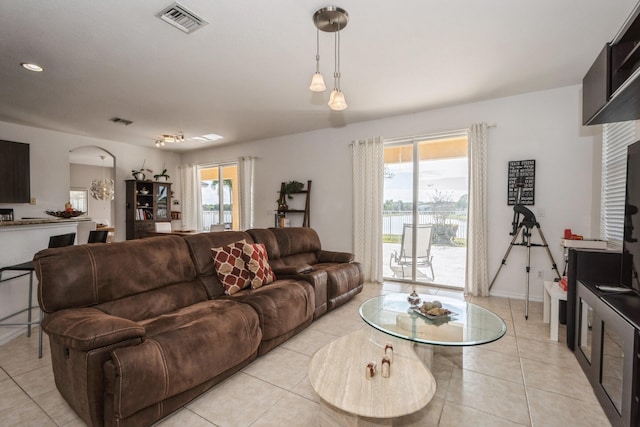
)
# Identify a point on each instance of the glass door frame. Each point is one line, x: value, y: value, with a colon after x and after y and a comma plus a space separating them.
x: 415, y: 141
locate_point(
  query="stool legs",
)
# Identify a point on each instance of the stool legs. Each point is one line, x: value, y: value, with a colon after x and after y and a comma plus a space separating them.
x: 29, y: 304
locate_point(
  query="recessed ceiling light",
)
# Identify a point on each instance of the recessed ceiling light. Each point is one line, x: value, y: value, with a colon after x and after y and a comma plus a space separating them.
x: 32, y: 67
x: 208, y: 138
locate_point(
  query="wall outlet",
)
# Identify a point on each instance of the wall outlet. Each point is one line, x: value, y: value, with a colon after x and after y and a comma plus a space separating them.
x: 33, y: 201
x: 539, y: 274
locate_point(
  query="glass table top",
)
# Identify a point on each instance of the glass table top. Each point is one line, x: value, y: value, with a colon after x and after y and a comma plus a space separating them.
x: 469, y: 324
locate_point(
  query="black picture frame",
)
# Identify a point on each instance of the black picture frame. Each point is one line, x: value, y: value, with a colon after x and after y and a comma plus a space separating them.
x: 521, y: 171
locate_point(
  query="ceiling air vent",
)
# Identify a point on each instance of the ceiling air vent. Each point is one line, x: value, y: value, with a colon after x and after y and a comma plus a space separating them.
x: 181, y: 18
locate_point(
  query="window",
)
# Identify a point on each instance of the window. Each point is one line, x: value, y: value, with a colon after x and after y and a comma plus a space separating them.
x: 615, y: 139
x: 78, y: 198
x: 219, y: 192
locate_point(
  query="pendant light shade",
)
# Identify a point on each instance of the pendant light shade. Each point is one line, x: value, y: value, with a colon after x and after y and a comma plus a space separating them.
x: 102, y: 189
x: 317, y: 83
x: 337, y: 101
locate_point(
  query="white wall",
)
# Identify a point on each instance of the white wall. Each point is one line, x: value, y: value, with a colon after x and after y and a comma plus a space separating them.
x: 544, y: 126
x: 50, y: 172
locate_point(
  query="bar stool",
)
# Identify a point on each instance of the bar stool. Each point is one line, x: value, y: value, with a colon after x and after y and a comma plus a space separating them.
x: 98, y: 236
x: 28, y: 268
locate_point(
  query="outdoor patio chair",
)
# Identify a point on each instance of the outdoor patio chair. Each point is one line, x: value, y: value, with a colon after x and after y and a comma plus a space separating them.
x: 401, y: 264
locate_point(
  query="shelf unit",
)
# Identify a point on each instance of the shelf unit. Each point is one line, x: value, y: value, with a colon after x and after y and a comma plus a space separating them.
x: 283, y: 209
x: 148, y: 202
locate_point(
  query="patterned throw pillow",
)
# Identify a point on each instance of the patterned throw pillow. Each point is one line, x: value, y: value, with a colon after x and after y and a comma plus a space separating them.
x: 230, y: 267
x: 257, y: 261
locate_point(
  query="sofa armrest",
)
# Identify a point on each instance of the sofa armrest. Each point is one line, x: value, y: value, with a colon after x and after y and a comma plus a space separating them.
x: 292, y: 270
x: 89, y: 328
x: 330, y: 256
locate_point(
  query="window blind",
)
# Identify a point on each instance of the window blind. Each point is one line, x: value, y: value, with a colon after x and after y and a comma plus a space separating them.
x: 615, y: 139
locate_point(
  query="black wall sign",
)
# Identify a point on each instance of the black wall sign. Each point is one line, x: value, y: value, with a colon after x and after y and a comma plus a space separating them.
x: 521, y: 171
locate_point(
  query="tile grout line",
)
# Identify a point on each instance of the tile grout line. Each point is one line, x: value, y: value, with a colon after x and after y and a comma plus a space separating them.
x: 524, y: 379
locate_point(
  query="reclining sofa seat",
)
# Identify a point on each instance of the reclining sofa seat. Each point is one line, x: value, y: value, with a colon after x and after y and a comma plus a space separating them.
x: 134, y: 333
x: 285, y: 307
x: 297, y: 252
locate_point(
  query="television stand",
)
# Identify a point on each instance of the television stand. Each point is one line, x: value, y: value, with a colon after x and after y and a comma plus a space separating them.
x: 607, y: 347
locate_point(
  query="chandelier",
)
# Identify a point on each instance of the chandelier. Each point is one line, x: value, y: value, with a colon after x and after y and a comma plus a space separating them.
x: 164, y: 139
x: 102, y: 189
x: 330, y: 19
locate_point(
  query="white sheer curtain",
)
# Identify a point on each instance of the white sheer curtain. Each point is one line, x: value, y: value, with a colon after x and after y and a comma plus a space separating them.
x: 191, y: 198
x: 245, y: 178
x: 477, y: 280
x: 368, y: 186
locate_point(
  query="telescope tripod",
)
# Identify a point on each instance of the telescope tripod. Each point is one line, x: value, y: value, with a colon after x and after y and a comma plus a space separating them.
x: 525, y: 228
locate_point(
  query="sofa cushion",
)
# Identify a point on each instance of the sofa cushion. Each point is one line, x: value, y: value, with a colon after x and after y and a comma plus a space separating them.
x: 187, y: 348
x: 231, y: 268
x: 256, y: 259
x: 84, y: 275
x: 282, y: 306
x: 200, y: 245
x: 296, y: 240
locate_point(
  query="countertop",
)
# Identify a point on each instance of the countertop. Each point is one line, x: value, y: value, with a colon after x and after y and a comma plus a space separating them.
x: 32, y: 221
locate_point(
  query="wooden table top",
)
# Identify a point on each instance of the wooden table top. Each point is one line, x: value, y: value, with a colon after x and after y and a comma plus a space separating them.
x: 337, y: 374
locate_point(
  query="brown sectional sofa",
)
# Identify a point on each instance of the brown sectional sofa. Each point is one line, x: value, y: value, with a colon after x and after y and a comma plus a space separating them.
x: 139, y: 328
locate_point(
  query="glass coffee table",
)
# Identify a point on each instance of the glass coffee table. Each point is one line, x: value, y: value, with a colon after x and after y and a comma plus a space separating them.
x: 337, y: 370
x: 469, y: 324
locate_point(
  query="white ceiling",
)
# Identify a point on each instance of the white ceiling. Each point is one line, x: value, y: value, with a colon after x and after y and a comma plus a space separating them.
x: 246, y: 74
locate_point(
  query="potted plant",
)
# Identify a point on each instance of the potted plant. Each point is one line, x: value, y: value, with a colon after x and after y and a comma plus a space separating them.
x: 292, y: 187
x: 139, y: 174
x: 163, y: 175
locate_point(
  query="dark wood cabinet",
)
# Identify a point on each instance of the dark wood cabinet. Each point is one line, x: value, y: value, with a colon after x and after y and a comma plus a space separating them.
x: 607, y: 350
x: 148, y: 203
x: 15, y: 184
x: 590, y: 265
x: 603, y: 330
x: 611, y: 87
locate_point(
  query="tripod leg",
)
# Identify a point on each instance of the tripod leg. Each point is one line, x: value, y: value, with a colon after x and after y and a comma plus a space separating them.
x: 546, y: 246
x: 526, y: 301
x: 506, y: 255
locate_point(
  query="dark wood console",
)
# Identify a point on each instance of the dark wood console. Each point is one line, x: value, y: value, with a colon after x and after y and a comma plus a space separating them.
x: 606, y: 334
x: 589, y: 265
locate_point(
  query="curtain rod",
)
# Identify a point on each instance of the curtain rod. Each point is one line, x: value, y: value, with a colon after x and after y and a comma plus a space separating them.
x: 434, y: 135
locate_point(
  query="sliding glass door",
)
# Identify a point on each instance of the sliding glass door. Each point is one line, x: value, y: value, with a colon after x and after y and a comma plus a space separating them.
x: 425, y: 209
x: 219, y: 193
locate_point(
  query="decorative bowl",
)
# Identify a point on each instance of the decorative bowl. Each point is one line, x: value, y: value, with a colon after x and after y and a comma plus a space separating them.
x: 65, y: 214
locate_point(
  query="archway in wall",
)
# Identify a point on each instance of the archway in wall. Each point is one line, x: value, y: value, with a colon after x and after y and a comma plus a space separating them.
x: 87, y: 163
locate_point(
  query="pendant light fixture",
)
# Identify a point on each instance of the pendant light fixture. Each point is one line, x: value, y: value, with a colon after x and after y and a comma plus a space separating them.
x: 102, y: 189
x: 331, y: 19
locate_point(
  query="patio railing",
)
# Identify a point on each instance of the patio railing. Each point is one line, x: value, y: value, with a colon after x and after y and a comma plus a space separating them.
x: 393, y: 221
x: 213, y: 217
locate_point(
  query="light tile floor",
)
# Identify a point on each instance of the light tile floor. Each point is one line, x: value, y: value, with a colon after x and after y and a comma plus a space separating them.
x: 523, y: 379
